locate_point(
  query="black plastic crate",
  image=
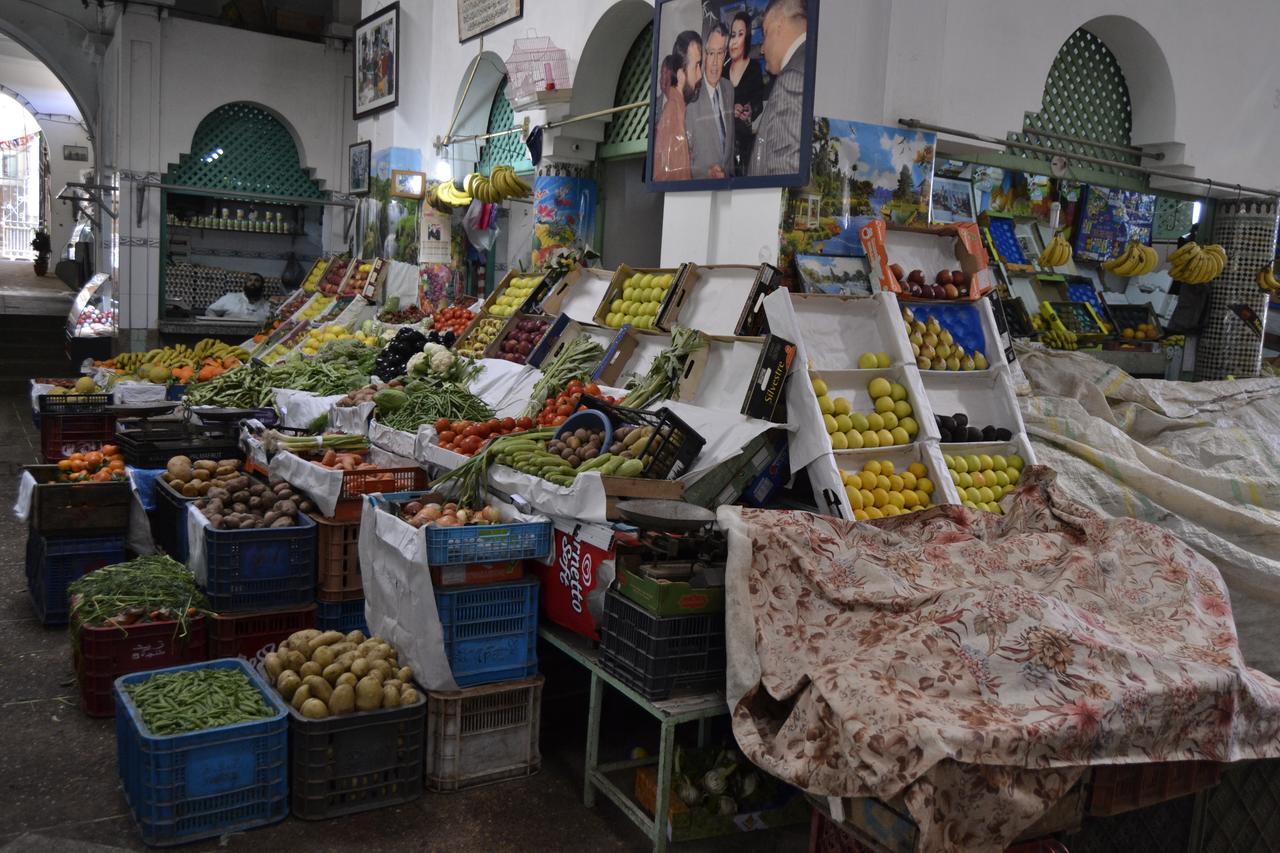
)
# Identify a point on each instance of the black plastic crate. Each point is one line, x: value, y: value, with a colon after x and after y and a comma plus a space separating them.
x: 673, y: 446
x: 154, y: 446
x: 356, y: 762
x: 656, y: 655
x: 73, y: 404
x: 1169, y: 827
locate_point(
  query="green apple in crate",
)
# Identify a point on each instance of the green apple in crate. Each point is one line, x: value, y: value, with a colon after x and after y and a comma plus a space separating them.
x: 518, y: 290
x: 642, y: 297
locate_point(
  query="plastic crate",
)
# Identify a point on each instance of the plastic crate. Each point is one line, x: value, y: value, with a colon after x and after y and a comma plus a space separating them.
x: 53, y: 563
x: 244, y: 634
x: 656, y: 655
x: 77, y: 509
x: 169, y: 521
x: 73, y: 404
x: 1243, y: 812
x: 482, y: 735
x: 346, y: 616
x: 479, y: 543
x: 357, y: 484
x: 207, y: 783
x: 826, y: 836
x: 1126, y: 316
x: 491, y: 631
x: 260, y: 568
x: 1169, y: 827
x: 154, y: 447
x: 64, y: 434
x: 677, y: 443
x: 337, y: 560
x: 1117, y: 788
x: 103, y: 654
x: 175, y: 392
x: 356, y: 762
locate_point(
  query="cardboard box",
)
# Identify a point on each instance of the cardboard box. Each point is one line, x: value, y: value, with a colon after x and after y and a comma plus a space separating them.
x: 620, y: 278
x: 631, y: 354
x: 760, y: 491
x: 575, y: 580
x: 712, y: 299
x: 501, y: 287
x: 753, y: 320
x: 565, y: 329
x: 669, y: 598
x: 930, y: 249
x: 492, y: 351
x: 578, y: 294
x: 725, y: 483
x: 628, y: 488
x: 749, y: 376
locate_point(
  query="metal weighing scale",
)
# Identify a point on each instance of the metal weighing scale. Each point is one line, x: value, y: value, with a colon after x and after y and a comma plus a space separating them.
x: 676, y: 541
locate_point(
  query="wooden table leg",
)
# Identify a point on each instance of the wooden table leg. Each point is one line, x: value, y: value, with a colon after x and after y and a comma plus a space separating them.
x: 593, y: 739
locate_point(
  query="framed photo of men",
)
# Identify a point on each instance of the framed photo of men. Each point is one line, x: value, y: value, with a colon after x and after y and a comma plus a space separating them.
x: 732, y: 93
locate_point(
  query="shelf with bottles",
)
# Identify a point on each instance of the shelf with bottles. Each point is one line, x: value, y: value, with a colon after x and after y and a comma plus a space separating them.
x: 197, y: 213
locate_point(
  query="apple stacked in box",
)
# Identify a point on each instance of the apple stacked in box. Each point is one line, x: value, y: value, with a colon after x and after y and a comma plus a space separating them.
x: 333, y: 278
x: 358, y: 278
x: 93, y: 319
x: 483, y: 334
x: 890, y: 423
x: 518, y: 343
x: 982, y: 479
x: 947, y: 284
x: 936, y: 349
x: 640, y: 300
x: 514, y: 296
x: 956, y: 428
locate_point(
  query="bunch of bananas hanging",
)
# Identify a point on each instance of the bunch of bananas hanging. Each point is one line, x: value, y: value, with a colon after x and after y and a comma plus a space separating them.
x: 1192, y: 263
x: 445, y: 195
x: 176, y: 356
x: 502, y: 183
x: 1060, y: 338
x: 1267, y: 281
x: 1137, y: 259
x: 1057, y: 253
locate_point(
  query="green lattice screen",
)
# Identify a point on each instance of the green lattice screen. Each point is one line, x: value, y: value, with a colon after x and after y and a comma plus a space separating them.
x: 509, y: 149
x: 241, y: 148
x: 628, y: 133
x: 1085, y: 96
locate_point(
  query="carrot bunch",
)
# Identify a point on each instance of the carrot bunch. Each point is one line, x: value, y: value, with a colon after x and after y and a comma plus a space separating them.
x: 94, y: 466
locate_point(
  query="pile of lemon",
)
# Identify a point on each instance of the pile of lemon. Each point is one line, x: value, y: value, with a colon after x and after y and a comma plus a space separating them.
x: 879, y: 491
x: 891, y: 422
x: 317, y: 306
x: 640, y: 300
x: 321, y: 335
x: 983, y: 479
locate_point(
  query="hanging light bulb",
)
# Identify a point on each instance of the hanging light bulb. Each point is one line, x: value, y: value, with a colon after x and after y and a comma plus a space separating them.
x: 443, y: 170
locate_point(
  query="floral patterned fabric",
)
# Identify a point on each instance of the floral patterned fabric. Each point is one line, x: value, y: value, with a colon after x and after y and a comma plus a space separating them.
x: 975, y: 663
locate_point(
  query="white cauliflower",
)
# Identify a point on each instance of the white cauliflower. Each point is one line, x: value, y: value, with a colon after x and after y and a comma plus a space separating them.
x: 419, y: 364
x: 441, y: 358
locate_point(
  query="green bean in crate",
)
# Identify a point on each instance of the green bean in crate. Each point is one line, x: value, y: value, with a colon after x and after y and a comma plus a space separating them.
x: 195, y: 699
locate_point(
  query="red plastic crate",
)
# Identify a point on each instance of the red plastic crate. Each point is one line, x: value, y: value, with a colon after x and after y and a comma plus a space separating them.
x: 106, y: 653
x: 357, y: 484
x: 1119, y: 788
x: 244, y: 634
x: 62, y: 435
x: 337, y: 560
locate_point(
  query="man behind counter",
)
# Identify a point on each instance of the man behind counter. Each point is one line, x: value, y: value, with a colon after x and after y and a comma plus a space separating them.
x: 252, y: 304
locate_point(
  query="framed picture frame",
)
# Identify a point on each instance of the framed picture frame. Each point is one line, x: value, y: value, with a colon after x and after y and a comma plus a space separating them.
x: 78, y: 153
x: 714, y: 62
x: 477, y: 17
x: 360, y: 158
x: 952, y: 200
x: 375, y: 58
x: 835, y: 274
x: 408, y: 184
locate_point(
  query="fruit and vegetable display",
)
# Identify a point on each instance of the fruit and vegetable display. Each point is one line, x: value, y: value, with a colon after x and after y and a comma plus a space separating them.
x: 722, y: 783
x: 936, y: 349
x: 424, y: 514
x: 144, y: 589
x: 1192, y: 263
x: 180, y: 363
x: 1064, y: 339
x: 427, y: 401
x: 466, y: 437
x: 575, y: 362
x: 956, y: 428
x: 318, y: 306
x: 405, y: 345
x: 947, y: 284
x: 880, y: 491
x: 339, y: 367
x: 392, y: 313
x: 556, y: 410
x: 245, y: 503
x: 874, y: 360
x: 172, y: 703
x: 336, y: 442
x: 639, y: 300
x: 1137, y: 259
x: 358, y: 279
x: 370, y: 392
x: 194, y: 479
x: 1141, y: 332
x: 330, y: 674
x: 662, y: 380
x: 94, y: 466
x: 72, y: 387
x: 890, y: 422
x: 333, y: 277
x: 454, y: 319
x: 483, y: 333
x: 318, y: 336
x: 520, y: 340
x: 314, y: 275
x: 1057, y: 253
x: 983, y: 479
x: 94, y: 321
x: 514, y: 295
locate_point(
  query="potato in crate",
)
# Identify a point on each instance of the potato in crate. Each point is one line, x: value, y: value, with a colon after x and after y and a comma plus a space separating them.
x: 481, y: 735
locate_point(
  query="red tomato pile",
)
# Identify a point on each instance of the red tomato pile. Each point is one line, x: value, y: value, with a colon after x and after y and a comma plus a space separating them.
x: 467, y: 437
x: 556, y: 411
x: 453, y: 318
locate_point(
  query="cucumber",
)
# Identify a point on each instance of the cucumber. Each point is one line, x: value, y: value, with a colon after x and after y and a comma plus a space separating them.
x: 613, y: 465
x: 630, y: 468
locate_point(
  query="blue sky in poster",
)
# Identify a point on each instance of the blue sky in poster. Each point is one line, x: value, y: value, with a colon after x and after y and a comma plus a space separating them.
x: 880, y: 153
x: 386, y: 159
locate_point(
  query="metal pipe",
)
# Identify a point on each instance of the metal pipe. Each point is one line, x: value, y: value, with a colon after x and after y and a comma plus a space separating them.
x: 448, y: 134
x: 1131, y: 150
x: 916, y: 124
x: 634, y: 105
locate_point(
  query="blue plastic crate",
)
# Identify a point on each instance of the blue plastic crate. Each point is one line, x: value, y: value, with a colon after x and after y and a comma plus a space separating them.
x: 344, y: 616
x: 54, y: 562
x: 490, y: 631
x: 478, y: 543
x: 262, y: 568
x: 169, y: 521
x: 207, y: 783
x: 175, y: 392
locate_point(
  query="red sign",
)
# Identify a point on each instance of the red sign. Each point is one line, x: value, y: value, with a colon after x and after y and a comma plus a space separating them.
x: 576, y: 579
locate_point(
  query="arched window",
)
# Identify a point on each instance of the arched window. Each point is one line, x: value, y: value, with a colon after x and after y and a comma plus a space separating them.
x: 628, y: 133
x: 508, y: 149
x: 243, y: 148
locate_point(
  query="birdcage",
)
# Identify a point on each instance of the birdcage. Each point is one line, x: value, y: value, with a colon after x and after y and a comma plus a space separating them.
x: 536, y: 65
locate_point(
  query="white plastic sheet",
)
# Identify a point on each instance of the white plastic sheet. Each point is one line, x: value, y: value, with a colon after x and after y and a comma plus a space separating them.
x: 353, y: 420
x: 299, y: 408
x: 323, y: 485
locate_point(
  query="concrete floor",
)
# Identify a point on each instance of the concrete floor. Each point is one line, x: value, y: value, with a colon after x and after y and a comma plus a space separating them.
x: 58, y: 767
x: 23, y: 292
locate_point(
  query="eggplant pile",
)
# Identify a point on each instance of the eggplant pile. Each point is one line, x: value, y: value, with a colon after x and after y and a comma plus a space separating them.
x: 393, y: 361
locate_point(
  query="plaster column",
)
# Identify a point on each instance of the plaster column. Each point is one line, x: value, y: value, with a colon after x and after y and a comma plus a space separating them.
x: 1228, y: 345
x: 564, y: 184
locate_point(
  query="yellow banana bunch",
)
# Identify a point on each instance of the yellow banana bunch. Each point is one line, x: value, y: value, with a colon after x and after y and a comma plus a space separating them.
x: 1196, y: 264
x: 448, y: 194
x: 1057, y: 253
x: 509, y: 183
x: 1266, y: 280
x: 179, y: 355
x: 1136, y: 259
x: 1060, y: 339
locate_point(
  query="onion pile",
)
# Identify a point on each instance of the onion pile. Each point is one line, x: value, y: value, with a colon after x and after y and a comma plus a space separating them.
x: 518, y: 343
x: 420, y: 514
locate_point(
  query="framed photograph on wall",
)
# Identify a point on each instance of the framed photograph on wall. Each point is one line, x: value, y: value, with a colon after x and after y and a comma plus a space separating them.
x: 733, y: 94
x: 376, y: 58
x: 952, y: 200
x: 76, y: 152
x: 834, y: 274
x: 360, y: 156
x: 406, y: 184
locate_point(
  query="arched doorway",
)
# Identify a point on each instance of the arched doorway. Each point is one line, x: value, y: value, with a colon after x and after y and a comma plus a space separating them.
x: 21, y: 179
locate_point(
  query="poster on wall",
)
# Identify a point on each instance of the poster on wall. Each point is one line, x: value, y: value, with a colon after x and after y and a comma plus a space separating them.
x: 734, y: 94
x: 477, y: 17
x: 360, y: 156
x: 1109, y: 219
x: 435, y: 235
x: 376, y: 58
x: 952, y: 200
x: 832, y: 274
x: 859, y: 172
x: 564, y: 210
x: 387, y: 226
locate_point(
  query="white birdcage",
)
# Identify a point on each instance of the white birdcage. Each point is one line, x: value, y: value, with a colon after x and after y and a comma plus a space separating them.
x: 536, y: 65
